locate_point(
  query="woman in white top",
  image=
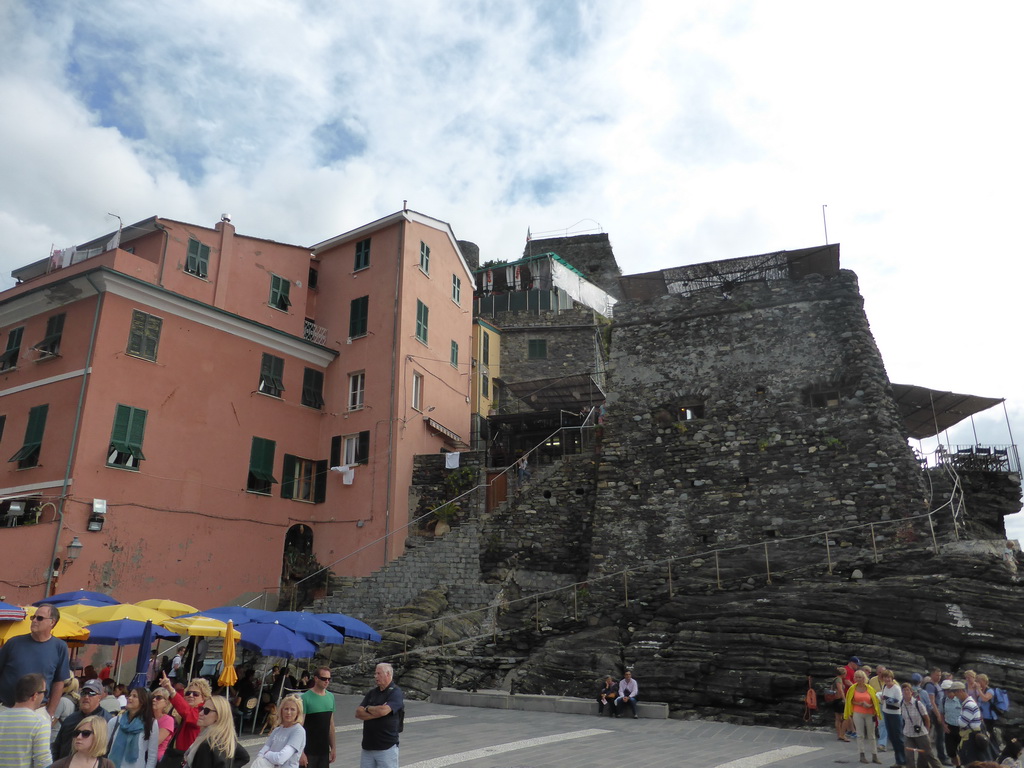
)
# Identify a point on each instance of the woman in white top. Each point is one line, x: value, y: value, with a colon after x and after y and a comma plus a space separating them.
x: 135, y: 740
x: 890, y: 697
x: 286, y: 742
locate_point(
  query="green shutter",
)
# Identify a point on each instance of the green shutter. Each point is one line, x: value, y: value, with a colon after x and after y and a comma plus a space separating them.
x: 363, y: 448
x: 198, y: 261
x: 335, y: 451
x: 279, y: 288
x: 33, y: 433
x: 129, y: 429
x: 288, y: 476
x: 261, y: 459
x: 422, y: 321
x: 320, y: 482
x: 358, y: 316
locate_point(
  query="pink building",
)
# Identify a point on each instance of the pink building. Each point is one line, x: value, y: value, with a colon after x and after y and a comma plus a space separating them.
x: 176, y: 403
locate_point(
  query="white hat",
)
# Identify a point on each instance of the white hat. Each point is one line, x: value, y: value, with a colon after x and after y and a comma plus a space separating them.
x: 946, y: 685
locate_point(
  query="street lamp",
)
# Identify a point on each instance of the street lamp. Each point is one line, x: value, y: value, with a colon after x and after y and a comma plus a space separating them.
x: 74, y: 550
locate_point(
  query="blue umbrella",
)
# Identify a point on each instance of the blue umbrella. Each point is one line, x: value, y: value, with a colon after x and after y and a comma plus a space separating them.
x: 350, y: 627
x: 308, y: 625
x: 142, y: 662
x: 236, y: 613
x: 78, y: 595
x: 275, y: 640
x: 125, y: 632
x: 10, y: 612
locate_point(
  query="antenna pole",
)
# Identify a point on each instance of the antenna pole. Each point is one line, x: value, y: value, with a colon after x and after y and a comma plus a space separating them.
x: 824, y: 222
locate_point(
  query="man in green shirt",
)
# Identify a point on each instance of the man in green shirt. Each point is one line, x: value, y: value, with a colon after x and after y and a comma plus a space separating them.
x: 318, y: 704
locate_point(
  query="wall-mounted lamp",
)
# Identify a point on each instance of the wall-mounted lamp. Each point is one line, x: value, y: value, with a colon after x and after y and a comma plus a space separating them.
x: 74, y: 550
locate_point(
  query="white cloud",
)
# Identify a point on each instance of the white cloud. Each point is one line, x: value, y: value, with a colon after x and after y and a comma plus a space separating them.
x: 690, y: 133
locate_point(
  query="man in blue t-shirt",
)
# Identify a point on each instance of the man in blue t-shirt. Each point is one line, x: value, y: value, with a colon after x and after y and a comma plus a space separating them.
x: 381, y: 713
x: 38, y: 652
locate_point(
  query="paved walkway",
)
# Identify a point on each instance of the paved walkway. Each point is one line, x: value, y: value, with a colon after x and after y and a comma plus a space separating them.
x: 437, y: 735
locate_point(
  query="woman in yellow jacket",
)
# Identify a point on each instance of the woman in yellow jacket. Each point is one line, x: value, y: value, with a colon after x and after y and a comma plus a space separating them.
x: 862, y: 706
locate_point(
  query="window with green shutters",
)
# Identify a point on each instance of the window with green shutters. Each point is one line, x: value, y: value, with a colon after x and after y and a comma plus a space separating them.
x: 272, y: 375
x: 486, y: 352
x: 454, y: 357
x: 456, y: 289
x: 537, y: 349
x: 126, y: 437
x: 358, y: 317
x: 144, y: 335
x: 425, y: 257
x: 198, y: 261
x: 304, y: 479
x: 313, y: 388
x: 50, y: 345
x: 9, y: 359
x: 28, y: 455
x: 261, y: 466
x: 362, y: 254
x: 422, y: 321
x: 279, y: 288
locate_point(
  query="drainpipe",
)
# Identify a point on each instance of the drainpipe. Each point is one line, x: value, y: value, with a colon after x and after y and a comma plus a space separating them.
x: 163, y: 256
x: 400, y: 267
x: 74, y: 435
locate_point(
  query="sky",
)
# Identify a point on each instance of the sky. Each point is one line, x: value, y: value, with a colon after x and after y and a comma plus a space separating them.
x: 688, y: 131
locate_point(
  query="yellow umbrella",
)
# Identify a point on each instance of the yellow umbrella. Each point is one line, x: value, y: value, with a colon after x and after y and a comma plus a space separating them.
x: 68, y: 628
x: 94, y: 615
x: 199, y: 626
x: 170, y: 607
x: 228, y: 675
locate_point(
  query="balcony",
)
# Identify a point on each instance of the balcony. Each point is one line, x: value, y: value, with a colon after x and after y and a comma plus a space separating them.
x: 315, y: 333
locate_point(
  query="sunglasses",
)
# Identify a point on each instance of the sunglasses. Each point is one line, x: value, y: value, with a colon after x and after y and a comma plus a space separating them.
x: 158, y: 698
x: 193, y: 693
x: 37, y: 617
x: 86, y: 734
x: 325, y: 679
x: 207, y: 711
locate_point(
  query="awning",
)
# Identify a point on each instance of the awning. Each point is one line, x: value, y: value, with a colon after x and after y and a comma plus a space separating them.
x: 443, y: 430
x: 927, y: 412
x: 565, y: 393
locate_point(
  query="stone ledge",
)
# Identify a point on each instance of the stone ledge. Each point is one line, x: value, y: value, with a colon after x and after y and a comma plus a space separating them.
x: 529, y: 702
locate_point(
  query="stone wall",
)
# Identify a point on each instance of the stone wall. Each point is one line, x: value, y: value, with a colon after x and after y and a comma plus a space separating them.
x: 573, y: 344
x: 793, y: 429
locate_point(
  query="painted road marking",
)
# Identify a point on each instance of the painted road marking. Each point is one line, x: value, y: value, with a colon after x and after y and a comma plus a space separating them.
x: 497, y: 749
x: 755, y: 761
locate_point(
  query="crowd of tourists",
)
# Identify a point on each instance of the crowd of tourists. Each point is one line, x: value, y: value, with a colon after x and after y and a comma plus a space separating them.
x: 930, y: 718
x: 49, y: 717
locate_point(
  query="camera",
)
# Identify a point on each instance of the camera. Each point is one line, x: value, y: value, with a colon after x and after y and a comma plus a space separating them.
x: 917, y: 729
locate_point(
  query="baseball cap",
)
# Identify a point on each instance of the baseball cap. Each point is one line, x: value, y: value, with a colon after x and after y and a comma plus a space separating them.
x: 855, y: 660
x: 916, y: 678
x: 946, y: 685
x: 956, y: 685
x: 93, y: 686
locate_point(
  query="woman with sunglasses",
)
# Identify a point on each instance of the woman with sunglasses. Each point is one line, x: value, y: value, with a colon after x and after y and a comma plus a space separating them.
x: 88, y: 745
x: 217, y: 746
x: 163, y: 719
x: 187, y: 706
x: 135, y: 741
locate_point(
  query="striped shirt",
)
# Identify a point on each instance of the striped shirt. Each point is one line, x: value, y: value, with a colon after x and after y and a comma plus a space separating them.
x: 970, y: 715
x: 24, y: 739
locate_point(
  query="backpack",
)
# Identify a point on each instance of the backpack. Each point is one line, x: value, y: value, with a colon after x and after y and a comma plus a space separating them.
x: 810, y: 699
x: 1000, y: 702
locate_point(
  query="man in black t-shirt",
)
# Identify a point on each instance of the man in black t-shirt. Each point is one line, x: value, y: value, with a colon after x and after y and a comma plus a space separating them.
x: 381, y: 712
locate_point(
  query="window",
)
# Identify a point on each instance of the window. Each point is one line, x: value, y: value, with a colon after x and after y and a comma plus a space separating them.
x: 537, y: 349
x: 144, y: 335
x: 362, y: 254
x: 824, y: 399
x: 198, y: 261
x: 422, y: 321
x: 50, y: 345
x: 417, y: 391
x: 9, y: 359
x: 424, y: 257
x: 356, y: 389
x: 313, y: 388
x: 272, y: 376
x: 279, y: 288
x: 261, y: 466
x: 454, y: 359
x: 3, y: 422
x: 358, y: 316
x: 456, y: 289
x: 691, y: 412
x: 485, y: 353
x: 304, y: 479
x: 28, y: 455
x: 356, y: 449
x: 126, y: 437
x: 313, y: 279
x: 485, y: 385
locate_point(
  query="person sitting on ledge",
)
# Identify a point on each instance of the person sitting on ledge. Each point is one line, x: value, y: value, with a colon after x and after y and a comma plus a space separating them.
x: 607, y: 696
x: 628, y: 689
